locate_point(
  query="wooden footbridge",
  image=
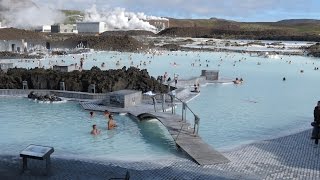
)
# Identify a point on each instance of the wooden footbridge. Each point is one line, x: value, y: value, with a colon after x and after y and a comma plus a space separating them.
x: 185, y: 135
x: 186, y: 138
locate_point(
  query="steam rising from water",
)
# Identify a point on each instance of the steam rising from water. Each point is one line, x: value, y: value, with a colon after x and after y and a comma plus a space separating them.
x: 119, y: 18
x: 26, y: 14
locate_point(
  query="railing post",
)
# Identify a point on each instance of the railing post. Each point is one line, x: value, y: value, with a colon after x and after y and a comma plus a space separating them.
x: 196, y: 125
x: 154, y: 103
x: 163, y: 101
x: 172, y: 105
x: 184, y: 111
x: 173, y: 95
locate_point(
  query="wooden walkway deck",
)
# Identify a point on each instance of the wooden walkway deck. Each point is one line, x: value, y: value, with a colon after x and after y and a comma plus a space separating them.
x: 182, y: 133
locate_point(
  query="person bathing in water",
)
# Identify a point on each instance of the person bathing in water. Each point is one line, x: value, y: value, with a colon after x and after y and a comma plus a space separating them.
x: 95, y: 131
x: 91, y: 114
x: 106, y: 113
x: 111, y: 123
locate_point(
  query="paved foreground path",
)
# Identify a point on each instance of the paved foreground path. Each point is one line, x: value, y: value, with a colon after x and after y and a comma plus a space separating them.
x: 290, y: 157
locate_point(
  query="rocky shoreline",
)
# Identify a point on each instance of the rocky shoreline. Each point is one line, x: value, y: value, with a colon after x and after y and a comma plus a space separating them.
x: 105, y: 81
x: 46, y: 98
x: 138, y: 41
x: 11, y: 55
x: 314, y: 50
x: 204, y: 32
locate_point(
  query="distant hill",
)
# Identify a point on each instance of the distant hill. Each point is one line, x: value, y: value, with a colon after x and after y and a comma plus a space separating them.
x: 220, y: 19
x: 298, y: 21
x: 307, y: 26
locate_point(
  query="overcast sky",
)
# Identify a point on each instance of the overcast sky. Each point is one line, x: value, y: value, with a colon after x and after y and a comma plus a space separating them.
x: 241, y: 10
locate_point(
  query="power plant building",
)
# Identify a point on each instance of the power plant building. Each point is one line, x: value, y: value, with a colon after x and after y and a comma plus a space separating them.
x: 46, y: 29
x: 91, y: 27
x: 64, y: 28
x: 160, y: 24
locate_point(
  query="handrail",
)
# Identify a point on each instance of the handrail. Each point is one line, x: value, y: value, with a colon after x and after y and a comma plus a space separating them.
x: 183, y: 102
x: 184, y: 107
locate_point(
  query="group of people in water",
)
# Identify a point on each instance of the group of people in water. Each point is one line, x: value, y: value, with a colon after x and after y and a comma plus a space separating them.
x: 196, y: 88
x: 238, y: 81
x: 111, y: 124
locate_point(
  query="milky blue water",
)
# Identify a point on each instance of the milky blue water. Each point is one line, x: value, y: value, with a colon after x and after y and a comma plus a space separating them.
x: 66, y: 127
x: 263, y: 107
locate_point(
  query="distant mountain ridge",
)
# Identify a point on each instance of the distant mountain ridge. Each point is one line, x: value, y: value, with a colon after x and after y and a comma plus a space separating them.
x: 298, y: 21
x: 220, y: 19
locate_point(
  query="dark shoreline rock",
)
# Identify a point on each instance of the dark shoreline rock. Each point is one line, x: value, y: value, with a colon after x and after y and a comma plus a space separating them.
x: 113, y: 43
x: 314, y: 50
x: 105, y: 81
x: 47, y: 97
x: 205, y: 32
x: 12, y: 55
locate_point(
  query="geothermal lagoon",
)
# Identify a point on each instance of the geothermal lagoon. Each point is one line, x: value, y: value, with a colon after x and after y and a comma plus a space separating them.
x: 263, y: 107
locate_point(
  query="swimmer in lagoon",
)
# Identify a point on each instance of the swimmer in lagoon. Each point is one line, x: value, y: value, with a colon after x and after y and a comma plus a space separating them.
x: 111, y: 123
x: 106, y: 113
x: 95, y: 131
x: 91, y: 114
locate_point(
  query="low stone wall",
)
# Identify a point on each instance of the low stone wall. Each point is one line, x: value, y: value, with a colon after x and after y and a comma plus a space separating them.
x: 65, y: 94
x: 20, y: 92
x: 79, y: 95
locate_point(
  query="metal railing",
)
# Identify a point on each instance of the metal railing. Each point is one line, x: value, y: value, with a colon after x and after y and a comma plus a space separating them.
x: 185, y: 107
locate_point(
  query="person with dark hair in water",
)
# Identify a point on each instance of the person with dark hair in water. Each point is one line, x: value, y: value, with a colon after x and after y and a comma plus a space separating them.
x: 106, y: 113
x: 175, y: 80
x: 91, y: 114
x: 95, y: 131
x: 111, y: 123
x: 316, y: 123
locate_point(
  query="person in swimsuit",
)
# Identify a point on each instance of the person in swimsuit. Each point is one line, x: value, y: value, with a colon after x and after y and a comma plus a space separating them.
x: 95, y: 131
x: 111, y: 123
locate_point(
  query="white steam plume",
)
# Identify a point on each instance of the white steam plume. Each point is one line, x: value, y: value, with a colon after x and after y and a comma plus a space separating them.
x: 119, y: 18
x: 26, y: 14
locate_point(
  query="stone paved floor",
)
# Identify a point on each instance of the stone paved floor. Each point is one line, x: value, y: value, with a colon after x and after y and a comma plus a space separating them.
x: 290, y: 157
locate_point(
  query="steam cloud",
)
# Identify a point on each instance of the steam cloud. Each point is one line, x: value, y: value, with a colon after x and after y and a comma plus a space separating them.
x: 119, y: 18
x: 26, y: 14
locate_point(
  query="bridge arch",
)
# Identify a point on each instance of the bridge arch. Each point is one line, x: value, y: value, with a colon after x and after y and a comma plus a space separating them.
x: 147, y: 116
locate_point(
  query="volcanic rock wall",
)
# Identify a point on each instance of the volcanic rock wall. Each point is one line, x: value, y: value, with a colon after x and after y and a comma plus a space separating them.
x: 105, y: 81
